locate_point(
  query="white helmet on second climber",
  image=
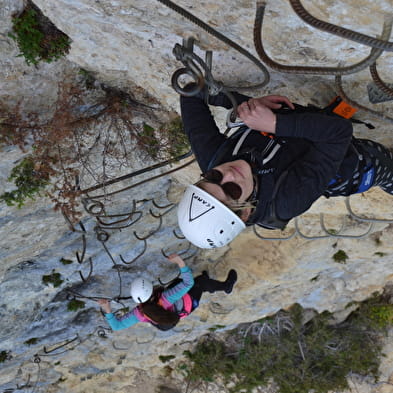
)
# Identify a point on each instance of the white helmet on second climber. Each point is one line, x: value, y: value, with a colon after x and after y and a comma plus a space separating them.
x: 205, y: 221
x: 141, y: 290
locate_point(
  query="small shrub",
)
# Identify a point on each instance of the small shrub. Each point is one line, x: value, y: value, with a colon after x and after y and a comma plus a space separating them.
x: 178, y: 143
x: 377, y: 310
x: 53, y: 278
x: 31, y: 341
x: 149, y: 141
x: 299, y: 357
x: 208, y: 360
x: 378, y: 241
x: 88, y: 78
x: 169, y: 141
x: 340, y: 256
x: 4, y: 355
x: 215, y: 327
x: 29, y: 180
x: 75, y: 305
x: 380, y: 254
x: 65, y: 261
x: 166, y: 358
x: 38, y: 38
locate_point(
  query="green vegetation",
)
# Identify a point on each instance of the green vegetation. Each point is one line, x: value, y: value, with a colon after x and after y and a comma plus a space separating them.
x: 53, y: 278
x: 169, y: 141
x: 380, y: 254
x: 4, y: 355
x: 75, y: 305
x: 377, y: 311
x: 340, y: 256
x: 87, y: 78
x: 38, y: 39
x: 65, y: 261
x: 299, y: 357
x: 166, y: 358
x: 149, y: 141
x: 178, y: 141
x: 31, y: 341
x: 215, y: 327
x: 29, y: 181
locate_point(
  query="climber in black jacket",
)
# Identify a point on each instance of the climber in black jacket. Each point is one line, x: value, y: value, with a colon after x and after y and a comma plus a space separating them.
x: 273, y: 168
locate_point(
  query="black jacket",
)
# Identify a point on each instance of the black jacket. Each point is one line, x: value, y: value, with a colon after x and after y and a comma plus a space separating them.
x: 314, y: 148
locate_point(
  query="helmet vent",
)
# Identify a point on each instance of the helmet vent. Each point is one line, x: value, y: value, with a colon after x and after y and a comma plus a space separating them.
x: 233, y: 222
x: 222, y: 231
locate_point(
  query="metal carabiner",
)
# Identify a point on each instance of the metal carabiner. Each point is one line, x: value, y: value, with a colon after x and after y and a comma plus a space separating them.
x: 231, y: 120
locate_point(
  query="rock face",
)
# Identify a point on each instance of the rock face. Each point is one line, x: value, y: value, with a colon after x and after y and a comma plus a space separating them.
x: 129, y: 44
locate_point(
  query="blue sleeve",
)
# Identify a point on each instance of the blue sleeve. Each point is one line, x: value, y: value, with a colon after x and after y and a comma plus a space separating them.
x: 123, y: 322
x: 178, y: 291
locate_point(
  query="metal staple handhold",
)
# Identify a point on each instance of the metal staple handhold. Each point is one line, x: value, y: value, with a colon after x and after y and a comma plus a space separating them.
x: 143, y: 251
x: 337, y: 235
x: 150, y: 233
x: 181, y: 237
x: 80, y: 258
x: 159, y: 206
x: 365, y: 219
x: 108, y: 253
x: 163, y: 214
x: 117, y: 348
x: 273, y: 238
x: 179, y: 253
x: 90, y: 271
x: 47, y: 352
x: 129, y: 217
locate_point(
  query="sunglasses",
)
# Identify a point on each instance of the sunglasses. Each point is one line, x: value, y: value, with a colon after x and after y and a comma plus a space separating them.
x: 231, y: 189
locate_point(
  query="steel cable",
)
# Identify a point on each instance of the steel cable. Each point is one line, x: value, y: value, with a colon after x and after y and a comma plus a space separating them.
x: 338, y: 30
x: 222, y: 38
x: 370, y: 59
x: 379, y: 82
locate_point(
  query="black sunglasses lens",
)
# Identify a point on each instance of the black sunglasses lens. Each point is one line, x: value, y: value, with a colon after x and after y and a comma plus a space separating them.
x: 232, y: 190
x: 213, y: 175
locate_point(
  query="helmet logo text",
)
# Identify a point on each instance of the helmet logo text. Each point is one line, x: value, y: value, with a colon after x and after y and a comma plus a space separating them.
x: 198, y: 207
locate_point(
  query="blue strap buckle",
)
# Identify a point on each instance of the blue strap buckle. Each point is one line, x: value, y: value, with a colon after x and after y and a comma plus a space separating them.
x: 367, y: 180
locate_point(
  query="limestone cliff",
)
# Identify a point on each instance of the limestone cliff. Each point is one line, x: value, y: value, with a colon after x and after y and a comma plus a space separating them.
x: 128, y: 44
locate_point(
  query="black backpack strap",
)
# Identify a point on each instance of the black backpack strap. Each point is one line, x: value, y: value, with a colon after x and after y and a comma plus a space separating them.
x: 265, y: 215
x: 271, y: 221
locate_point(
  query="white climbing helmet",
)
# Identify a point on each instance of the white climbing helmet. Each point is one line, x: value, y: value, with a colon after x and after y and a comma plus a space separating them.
x: 205, y: 221
x: 141, y: 290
